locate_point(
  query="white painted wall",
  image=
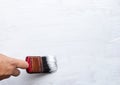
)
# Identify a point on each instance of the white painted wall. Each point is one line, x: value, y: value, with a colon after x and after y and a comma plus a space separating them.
x: 83, y: 34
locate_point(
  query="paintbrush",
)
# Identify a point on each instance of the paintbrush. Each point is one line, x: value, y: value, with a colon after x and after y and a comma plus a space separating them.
x: 41, y: 64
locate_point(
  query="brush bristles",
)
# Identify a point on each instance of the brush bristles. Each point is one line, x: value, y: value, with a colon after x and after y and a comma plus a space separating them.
x: 52, y: 63
x: 46, y: 68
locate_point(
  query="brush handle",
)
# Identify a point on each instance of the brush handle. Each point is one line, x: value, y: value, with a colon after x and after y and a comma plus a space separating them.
x: 35, y: 64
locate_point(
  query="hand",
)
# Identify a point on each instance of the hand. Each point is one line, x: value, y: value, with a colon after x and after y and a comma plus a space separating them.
x: 9, y: 66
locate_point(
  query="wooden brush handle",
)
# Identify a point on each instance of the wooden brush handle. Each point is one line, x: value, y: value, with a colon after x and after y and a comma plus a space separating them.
x: 35, y: 64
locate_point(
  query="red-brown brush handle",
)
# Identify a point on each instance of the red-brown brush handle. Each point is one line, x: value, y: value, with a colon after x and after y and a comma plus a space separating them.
x: 35, y: 64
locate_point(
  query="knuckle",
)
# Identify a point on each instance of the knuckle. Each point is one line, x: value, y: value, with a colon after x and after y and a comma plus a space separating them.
x: 12, y: 62
x: 1, y: 54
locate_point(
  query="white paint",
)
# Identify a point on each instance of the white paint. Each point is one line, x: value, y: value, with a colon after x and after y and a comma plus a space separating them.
x: 52, y: 63
x: 78, y: 32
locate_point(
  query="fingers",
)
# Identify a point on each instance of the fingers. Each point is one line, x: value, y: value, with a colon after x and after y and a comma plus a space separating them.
x: 4, y: 77
x: 20, y: 64
x: 9, y: 66
x: 16, y: 72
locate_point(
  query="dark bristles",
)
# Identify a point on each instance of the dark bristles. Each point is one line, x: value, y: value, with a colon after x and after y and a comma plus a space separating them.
x: 46, y: 68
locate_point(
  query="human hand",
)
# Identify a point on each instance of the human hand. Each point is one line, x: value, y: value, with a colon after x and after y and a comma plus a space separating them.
x: 9, y: 66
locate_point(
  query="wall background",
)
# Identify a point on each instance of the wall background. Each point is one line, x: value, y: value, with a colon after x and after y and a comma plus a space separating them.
x: 83, y: 34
